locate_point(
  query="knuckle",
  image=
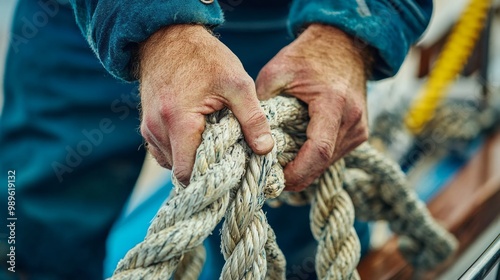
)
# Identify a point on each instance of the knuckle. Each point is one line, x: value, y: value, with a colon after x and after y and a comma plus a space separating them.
x: 360, y: 133
x: 335, y: 101
x: 167, y: 113
x: 255, y: 118
x: 342, y: 87
x: 296, y: 184
x: 144, y: 131
x: 364, y: 134
x: 339, y: 95
x: 359, y: 137
x: 242, y: 83
x: 254, y: 122
x: 356, y: 114
x: 269, y: 71
x: 325, y: 150
x: 147, y: 130
x: 150, y: 131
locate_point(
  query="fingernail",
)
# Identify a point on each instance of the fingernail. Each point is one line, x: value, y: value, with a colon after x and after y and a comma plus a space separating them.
x: 264, y: 143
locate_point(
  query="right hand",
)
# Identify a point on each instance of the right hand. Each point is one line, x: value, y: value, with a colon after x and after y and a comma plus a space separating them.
x: 185, y: 74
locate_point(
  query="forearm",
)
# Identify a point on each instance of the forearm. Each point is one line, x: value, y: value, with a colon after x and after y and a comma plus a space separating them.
x: 114, y: 28
x: 387, y: 27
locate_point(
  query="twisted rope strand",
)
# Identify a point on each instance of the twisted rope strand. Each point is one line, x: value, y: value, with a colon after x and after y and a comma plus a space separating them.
x: 332, y: 225
x: 423, y: 242
x: 191, y: 264
x: 245, y: 234
x: 230, y: 181
x: 276, y: 262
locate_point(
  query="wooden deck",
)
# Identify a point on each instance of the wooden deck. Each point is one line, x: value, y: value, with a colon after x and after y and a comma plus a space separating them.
x: 466, y: 207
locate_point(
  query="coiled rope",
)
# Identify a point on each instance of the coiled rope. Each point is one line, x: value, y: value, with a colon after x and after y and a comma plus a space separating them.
x: 230, y: 181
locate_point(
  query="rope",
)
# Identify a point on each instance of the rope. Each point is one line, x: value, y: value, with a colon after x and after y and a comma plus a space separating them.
x: 191, y: 264
x: 332, y: 219
x: 455, y: 124
x: 379, y: 192
x: 230, y: 181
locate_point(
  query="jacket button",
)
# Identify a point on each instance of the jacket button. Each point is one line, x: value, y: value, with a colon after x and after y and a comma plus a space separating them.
x: 207, y: 1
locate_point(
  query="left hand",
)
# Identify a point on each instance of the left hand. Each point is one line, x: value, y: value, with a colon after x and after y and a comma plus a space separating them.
x: 324, y: 69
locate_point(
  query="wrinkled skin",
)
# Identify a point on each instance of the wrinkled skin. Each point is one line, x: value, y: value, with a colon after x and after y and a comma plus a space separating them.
x: 323, y: 68
x: 186, y: 73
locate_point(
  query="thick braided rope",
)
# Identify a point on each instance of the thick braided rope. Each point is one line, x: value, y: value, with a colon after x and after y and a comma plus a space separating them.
x: 245, y: 229
x: 228, y: 180
x: 191, y: 215
x: 332, y: 219
x: 220, y: 186
x: 379, y: 191
x: 383, y: 194
x: 454, y: 124
x: 191, y: 264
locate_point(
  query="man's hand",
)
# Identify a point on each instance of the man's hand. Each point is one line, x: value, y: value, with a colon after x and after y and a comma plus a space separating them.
x: 185, y: 74
x: 323, y: 68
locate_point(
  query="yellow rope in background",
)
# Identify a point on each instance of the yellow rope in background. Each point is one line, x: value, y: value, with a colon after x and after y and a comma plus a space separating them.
x: 457, y: 50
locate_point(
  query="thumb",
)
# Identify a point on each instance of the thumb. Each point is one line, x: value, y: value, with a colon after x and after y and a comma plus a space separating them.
x: 253, y: 121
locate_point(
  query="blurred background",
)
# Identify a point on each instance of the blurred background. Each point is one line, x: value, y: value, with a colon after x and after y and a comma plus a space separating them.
x: 6, y: 10
x: 452, y: 161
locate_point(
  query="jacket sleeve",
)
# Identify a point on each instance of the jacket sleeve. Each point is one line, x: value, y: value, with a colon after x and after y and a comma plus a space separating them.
x: 114, y: 28
x: 390, y: 27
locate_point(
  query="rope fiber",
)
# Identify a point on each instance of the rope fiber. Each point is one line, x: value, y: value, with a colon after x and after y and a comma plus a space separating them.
x: 231, y: 182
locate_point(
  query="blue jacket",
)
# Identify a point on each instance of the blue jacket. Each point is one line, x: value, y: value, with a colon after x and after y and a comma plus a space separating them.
x: 69, y: 128
x: 114, y: 28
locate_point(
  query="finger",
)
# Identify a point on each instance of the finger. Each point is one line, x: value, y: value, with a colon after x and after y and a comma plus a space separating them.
x: 272, y: 80
x: 185, y: 137
x: 349, y: 141
x: 253, y: 121
x: 353, y: 131
x: 160, y: 150
x: 318, y: 151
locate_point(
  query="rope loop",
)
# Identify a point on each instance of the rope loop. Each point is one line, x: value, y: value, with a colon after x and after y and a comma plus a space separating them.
x: 231, y: 182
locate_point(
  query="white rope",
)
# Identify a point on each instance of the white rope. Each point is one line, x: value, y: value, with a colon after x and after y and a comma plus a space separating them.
x: 230, y: 181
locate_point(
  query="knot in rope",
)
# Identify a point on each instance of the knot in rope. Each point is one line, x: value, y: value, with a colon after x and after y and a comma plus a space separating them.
x: 231, y: 182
